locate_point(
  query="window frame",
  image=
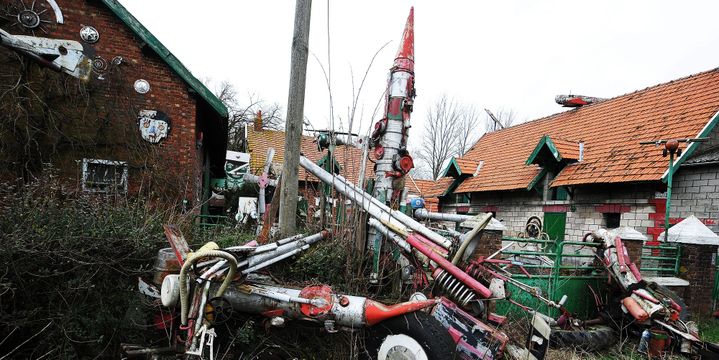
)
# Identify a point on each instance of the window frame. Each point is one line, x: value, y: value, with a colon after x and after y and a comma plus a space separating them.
x: 85, y: 175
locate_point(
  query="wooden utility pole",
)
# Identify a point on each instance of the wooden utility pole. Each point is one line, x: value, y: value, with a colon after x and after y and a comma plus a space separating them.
x: 295, y: 115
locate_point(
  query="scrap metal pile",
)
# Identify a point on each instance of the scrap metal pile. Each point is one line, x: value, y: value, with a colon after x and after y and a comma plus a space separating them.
x: 452, y: 319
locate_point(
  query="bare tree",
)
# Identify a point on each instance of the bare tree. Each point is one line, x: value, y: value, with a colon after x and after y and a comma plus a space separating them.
x: 244, y: 112
x: 468, y: 129
x: 441, y: 128
x: 500, y: 119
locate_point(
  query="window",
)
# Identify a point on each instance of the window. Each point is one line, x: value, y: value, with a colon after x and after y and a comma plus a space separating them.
x: 104, y: 176
x: 462, y: 198
x: 559, y: 193
x: 612, y: 220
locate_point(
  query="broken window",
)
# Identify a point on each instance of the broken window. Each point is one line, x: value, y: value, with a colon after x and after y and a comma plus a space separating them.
x: 104, y: 176
x: 612, y: 220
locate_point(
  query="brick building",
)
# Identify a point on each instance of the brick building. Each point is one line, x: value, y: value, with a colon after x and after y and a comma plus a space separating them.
x: 584, y: 168
x: 128, y: 118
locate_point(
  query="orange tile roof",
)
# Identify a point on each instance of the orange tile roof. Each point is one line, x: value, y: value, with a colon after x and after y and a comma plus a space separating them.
x: 567, y: 149
x: 611, y: 131
x: 440, y: 187
x: 467, y: 166
x: 349, y: 157
x: 419, y: 187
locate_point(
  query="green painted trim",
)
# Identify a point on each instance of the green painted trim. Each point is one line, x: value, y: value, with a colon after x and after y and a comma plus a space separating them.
x: 452, y: 162
x: 545, y: 140
x: 708, y: 128
x: 536, y: 179
x: 170, y: 59
x: 450, y: 189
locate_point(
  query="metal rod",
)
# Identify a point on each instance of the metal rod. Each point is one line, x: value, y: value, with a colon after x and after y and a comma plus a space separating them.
x: 423, y: 214
x: 371, y: 205
x: 274, y: 260
x: 413, y: 239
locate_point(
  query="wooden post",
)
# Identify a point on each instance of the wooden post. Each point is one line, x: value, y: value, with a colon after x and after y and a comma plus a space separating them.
x: 295, y: 114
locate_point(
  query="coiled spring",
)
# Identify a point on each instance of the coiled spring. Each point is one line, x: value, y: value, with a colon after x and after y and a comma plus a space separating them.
x: 454, y: 289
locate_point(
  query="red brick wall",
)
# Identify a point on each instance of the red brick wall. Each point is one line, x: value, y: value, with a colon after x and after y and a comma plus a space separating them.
x: 177, y: 154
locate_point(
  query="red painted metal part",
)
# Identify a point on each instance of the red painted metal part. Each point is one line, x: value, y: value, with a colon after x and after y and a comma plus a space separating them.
x: 378, y: 152
x: 635, y: 270
x: 177, y: 242
x: 376, y: 312
x: 619, y: 247
x: 645, y: 296
x: 405, y: 55
x: 413, y: 240
x: 273, y: 313
x: 474, y: 339
x: 635, y: 309
x: 314, y: 292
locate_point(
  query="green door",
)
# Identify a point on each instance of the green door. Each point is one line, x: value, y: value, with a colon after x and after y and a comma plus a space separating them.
x: 555, y: 225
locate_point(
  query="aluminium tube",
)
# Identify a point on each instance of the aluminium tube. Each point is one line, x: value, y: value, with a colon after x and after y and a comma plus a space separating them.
x: 373, y: 206
x: 309, y: 240
x: 275, y: 259
x: 386, y: 232
x: 423, y: 214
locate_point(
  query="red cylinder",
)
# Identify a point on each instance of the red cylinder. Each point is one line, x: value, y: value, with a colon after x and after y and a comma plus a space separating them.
x: 635, y: 309
x: 462, y: 276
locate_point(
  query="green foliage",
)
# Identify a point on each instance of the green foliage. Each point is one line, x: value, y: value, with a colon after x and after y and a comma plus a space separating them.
x: 71, y: 261
x: 325, y: 262
x: 709, y: 330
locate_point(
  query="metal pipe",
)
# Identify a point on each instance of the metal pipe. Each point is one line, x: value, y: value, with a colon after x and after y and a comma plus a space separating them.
x: 413, y: 239
x: 371, y: 205
x: 424, y: 214
x: 280, y: 250
x: 207, y: 252
x: 274, y: 260
x: 386, y: 232
x: 346, y: 310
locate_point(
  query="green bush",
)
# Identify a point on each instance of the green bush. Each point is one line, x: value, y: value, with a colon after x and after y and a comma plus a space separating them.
x: 69, y: 267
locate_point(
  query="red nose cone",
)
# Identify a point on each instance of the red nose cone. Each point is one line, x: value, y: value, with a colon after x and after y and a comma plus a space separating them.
x: 405, y: 55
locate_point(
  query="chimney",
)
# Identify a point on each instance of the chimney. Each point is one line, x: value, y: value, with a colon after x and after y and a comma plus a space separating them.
x: 258, y: 121
x: 581, y: 151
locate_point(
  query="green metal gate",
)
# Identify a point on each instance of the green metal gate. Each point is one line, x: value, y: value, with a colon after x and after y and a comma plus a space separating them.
x: 556, y: 269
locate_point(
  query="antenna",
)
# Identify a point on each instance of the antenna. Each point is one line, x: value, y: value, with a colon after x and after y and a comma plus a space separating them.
x: 497, y: 123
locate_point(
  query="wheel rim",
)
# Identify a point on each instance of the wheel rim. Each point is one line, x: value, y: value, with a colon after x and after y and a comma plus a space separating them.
x: 401, y: 347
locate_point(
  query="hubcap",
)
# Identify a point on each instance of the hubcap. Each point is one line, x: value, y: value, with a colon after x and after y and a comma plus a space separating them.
x: 29, y: 19
x: 401, y: 347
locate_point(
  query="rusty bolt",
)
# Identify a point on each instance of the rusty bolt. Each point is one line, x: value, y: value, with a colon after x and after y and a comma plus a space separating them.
x: 344, y: 301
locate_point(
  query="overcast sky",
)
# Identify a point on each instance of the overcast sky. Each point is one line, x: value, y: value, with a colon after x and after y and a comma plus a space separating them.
x: 502, y: 54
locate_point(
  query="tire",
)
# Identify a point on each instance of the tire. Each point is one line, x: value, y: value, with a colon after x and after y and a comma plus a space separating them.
x: 663, y: 290
x: 593, y: 338
x: 415, y: 335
